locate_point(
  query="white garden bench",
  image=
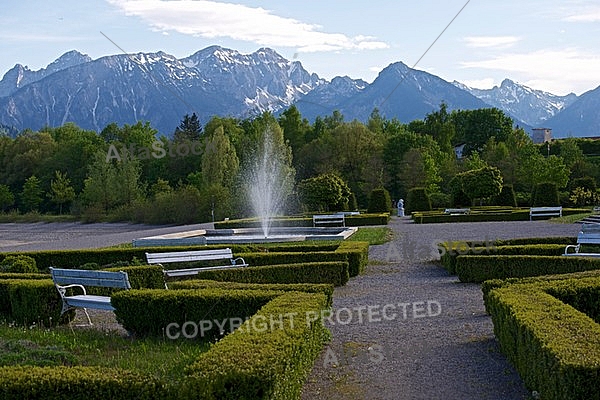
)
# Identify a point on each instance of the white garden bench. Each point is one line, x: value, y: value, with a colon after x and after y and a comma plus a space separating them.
x: 590, y: 235
x: 80, y: 278
x: 329, y: 219
x: 545, y: 212
x: 197, y: 255
x: 457, y: 211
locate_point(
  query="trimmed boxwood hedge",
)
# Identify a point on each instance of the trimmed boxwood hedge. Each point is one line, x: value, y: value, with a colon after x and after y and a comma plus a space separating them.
x: 332, y: 272
x: 103, y: 257
x: 148, y: 312
x: 31, y: 301
x: 351, y: 220
x: 481, y: 268
x: 563, y: 240
x: 357, y: 254
x: 256, y: 364
x: 554, y: 347
x: 82, y: 383
x: 490, y: 284
x: 481, y: 215
x: 326, y: 289
x: 451, y: 251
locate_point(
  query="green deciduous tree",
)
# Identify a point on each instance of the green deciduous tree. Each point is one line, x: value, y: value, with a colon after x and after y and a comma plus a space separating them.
x: 476, y: 127
x: 220, y: 164
x: 327, y: 192
x: 100, y: 189
x: 61, y: 191
x: 295, y: 128
x: 481, y: 183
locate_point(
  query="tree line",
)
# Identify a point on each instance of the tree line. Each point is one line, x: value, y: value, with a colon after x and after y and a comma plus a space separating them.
x: 128, y: 173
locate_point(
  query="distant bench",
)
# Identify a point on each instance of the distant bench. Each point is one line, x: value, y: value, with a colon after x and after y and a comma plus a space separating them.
x: 457, y: 211
x: 80, y: 278
x: 589, y: 234
x: 545, y: 212
x: 198, y: 255
x: 329, y: 219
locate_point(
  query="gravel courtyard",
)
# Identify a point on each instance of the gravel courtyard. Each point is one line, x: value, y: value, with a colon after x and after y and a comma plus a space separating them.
x: 426, y: 336
x: 75, y: 235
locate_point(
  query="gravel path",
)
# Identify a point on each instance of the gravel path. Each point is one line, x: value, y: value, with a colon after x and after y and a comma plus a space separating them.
x: 75, y: 235
x: 426, y: 336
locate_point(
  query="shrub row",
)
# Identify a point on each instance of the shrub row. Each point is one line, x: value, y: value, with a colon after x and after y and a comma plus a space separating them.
x: 357, y: 254
x: 562, y: 240
x: 97, y: 258
x: 451, y: 251
x: 325, y: 289
x: 82, y: 383
x: 483, y: 216
x: 351, y: 220
x: 481, y: 268
x: 254, y: 364
x: 331, y: 272
x: 490, y: 284
x: 31, y: 301
x: 554, y: 347
x: 148, y: 312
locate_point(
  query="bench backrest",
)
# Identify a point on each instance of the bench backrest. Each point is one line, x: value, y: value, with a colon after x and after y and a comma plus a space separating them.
x: 182, y: 256
x: 86, y: 277
x: 333, y: 217
x: 534, y: 210
x: 589, y: 234
x: 457, y: 210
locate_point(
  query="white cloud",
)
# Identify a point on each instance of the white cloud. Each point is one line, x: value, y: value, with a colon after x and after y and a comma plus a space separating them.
x: 557, y: 71
x: 590, y: 14
x: 211, y: 19
x: 491, y: 41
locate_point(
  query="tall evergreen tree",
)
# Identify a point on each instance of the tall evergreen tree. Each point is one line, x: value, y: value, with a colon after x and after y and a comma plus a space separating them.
x: 7, y: 199
x: 31, y: 196
x: 188, y: 129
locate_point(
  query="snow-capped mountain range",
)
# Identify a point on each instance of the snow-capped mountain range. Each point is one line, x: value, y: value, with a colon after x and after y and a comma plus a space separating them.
x: 161, y: 89
x: 531, y: 106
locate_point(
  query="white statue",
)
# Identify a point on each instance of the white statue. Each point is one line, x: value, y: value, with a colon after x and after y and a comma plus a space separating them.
x: 401, y: 208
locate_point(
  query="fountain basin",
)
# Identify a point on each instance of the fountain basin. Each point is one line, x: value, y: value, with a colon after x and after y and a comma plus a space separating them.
x: 245, y: 235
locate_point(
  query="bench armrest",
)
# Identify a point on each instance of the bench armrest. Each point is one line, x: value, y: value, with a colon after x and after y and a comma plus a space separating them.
x: 62, y: 290
x: 569, y: 246
x: 234, y: 261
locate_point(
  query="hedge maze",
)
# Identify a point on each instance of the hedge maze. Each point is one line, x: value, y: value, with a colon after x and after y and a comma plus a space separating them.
x: 263, y: 347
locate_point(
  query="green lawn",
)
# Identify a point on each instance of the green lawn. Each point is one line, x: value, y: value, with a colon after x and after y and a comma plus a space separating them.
x: 373, y: 235
x: 159, y: 357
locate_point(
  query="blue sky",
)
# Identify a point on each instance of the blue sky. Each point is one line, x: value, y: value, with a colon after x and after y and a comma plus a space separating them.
x: 548, y: 45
